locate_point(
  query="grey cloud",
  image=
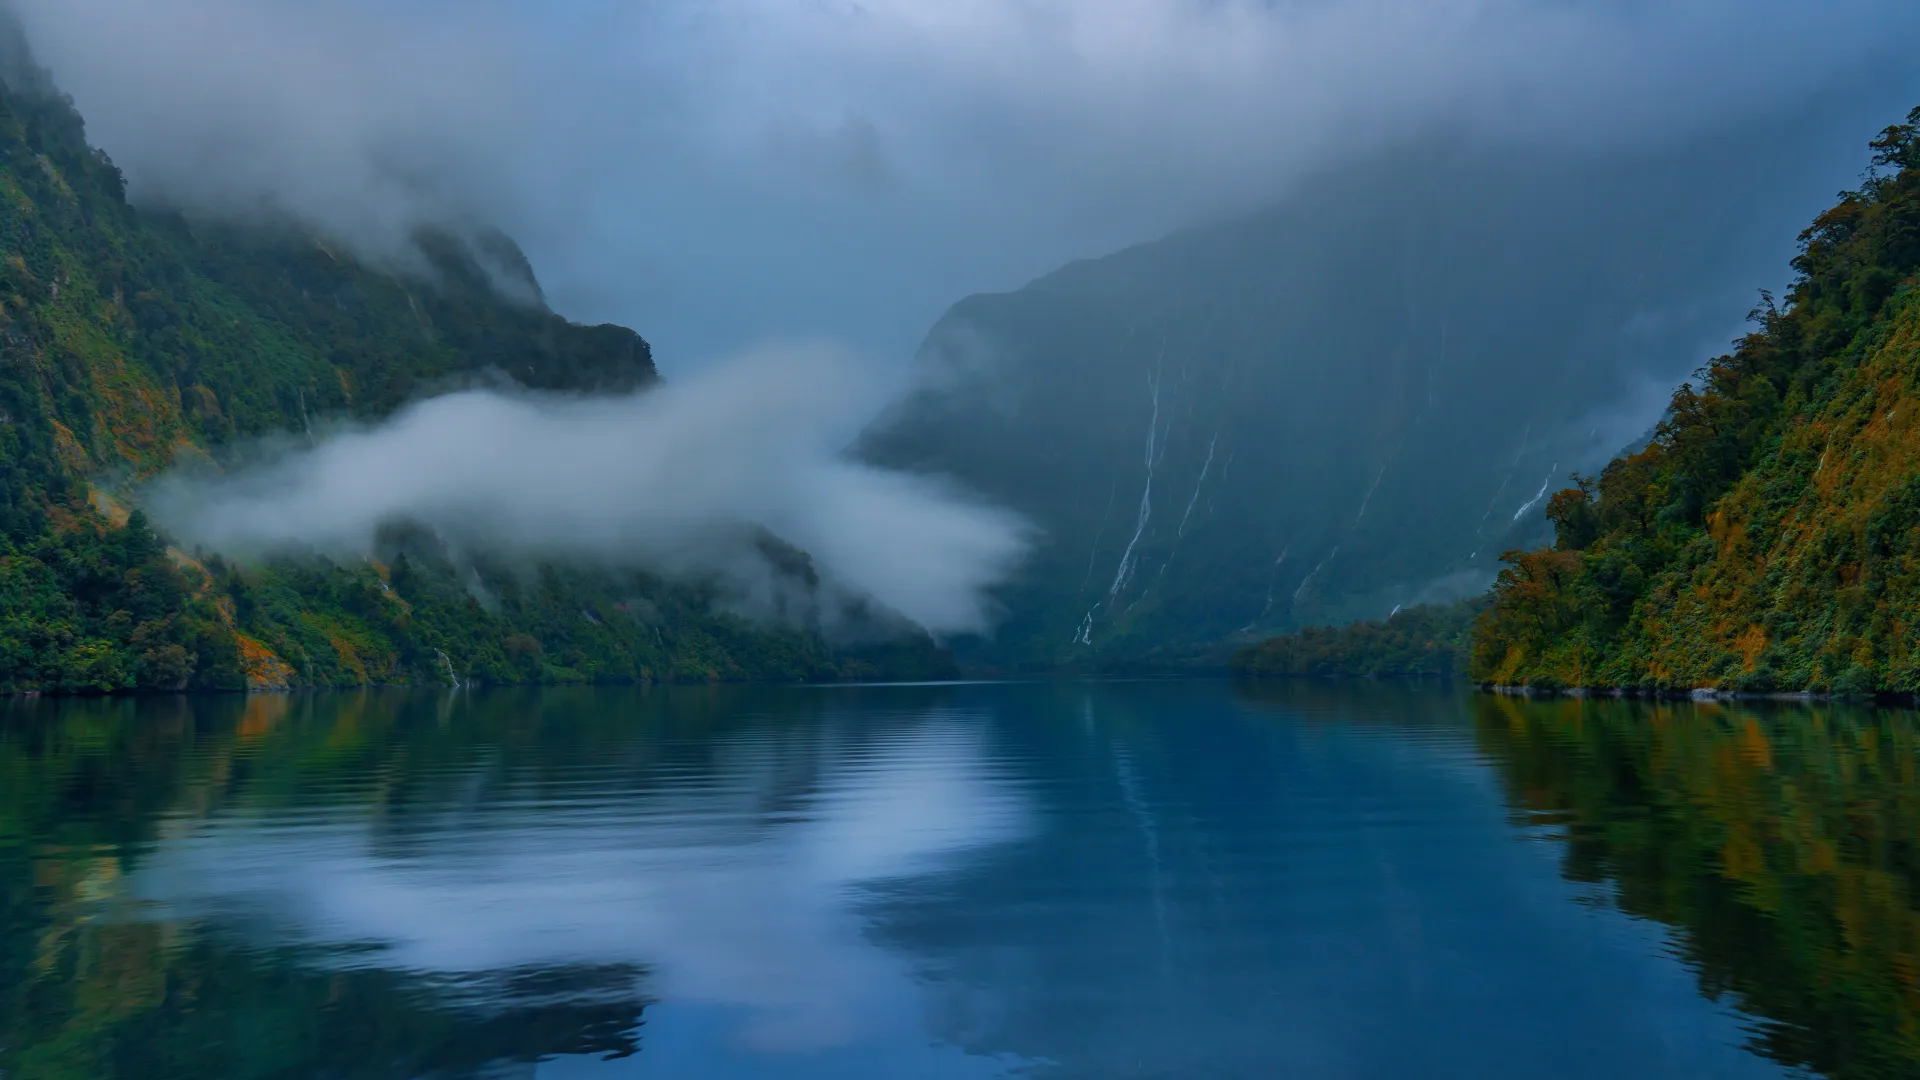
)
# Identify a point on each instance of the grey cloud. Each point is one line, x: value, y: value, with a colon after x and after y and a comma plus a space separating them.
x: 718, y: 171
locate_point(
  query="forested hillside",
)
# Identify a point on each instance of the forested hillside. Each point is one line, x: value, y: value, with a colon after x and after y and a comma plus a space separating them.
x: 1769, y: 537
x: 1430, y: 641
x: 131, y: 340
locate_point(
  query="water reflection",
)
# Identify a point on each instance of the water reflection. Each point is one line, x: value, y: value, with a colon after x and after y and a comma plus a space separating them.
x: 730, y: 883
x: 1296, y: 880
x: 1064, y: 881
x: 1783, y: 842
x: 529, y: 857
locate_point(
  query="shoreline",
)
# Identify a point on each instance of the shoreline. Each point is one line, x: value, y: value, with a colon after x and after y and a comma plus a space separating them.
x: 1703, y: 693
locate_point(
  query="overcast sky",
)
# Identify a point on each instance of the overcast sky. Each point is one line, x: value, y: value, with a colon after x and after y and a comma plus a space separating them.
x: 720, y: 172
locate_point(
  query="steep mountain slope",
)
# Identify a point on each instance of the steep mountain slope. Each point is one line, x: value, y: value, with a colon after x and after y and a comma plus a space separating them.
x: 130, y: 340
x: 1769, y: 538
x: 1350, y: 402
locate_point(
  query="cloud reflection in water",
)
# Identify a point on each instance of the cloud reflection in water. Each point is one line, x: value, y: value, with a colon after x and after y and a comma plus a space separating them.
x: 732, y: 886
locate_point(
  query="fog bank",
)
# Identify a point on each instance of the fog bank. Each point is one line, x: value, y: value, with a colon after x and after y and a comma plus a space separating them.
x: 681, y: 479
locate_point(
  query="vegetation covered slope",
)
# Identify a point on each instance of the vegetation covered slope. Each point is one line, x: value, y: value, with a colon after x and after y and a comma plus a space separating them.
x: 1769, y: 537
x: 131, y: 339
x: 1430, y: 641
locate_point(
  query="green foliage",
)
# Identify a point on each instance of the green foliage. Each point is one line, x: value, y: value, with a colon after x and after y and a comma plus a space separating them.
x: 1769, y: 538
x: 131, y: 340
x: 102, y: 611
x: 1425, y: 642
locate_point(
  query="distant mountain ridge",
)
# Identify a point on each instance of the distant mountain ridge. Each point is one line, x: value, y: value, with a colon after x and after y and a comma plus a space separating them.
x: 132, y: 339
x: 1352, y: 401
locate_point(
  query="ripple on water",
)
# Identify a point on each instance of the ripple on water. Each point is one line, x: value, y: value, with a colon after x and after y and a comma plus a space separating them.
x: 1132, y: 879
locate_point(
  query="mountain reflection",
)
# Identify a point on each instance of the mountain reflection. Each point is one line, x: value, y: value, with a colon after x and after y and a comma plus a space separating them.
x: 1100, y: 880
x: 1781, y: 841
x: 1289, y: 880
x: 511, y: 875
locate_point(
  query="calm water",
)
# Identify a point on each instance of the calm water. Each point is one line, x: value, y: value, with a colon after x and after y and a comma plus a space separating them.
x: 1066, y: 880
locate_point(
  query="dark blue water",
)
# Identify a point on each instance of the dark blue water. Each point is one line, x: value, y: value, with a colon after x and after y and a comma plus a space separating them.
x: 1053, y: 880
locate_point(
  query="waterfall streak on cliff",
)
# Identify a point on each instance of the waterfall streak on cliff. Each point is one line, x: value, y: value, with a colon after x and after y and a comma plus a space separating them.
x: 1538, y: 495
x: 452, y: 679
x: 1273, y: 574
x: 1124, y: 572
x: 1198, y: 484
x: 1311, y: 574
x: 1368, y: 498
x: 1525, y: 434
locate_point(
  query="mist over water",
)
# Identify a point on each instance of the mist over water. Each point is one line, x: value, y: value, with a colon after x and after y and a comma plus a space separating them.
x: 685, y: 479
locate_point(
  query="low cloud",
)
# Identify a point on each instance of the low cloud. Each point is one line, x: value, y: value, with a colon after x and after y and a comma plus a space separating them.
x: 682, y: 479
x: 712, y: 171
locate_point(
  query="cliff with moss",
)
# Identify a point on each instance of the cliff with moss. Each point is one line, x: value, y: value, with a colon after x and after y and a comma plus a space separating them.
x: 132, y: 339
x: 1768, y: 539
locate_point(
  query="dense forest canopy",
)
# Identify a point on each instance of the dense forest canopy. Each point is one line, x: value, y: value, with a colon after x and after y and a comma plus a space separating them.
x: 1768, y: 539
x: 1430, y: 641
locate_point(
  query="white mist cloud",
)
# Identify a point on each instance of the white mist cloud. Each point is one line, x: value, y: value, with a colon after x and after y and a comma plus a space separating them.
x: 677, y: 478
x: 716, y: 171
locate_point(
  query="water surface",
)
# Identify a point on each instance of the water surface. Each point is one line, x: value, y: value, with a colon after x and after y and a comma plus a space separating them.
x: 1101, y: 880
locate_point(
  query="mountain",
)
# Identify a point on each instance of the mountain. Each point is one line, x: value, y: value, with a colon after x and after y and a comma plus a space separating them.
x: 132, y: 339
x: 1351, y: 401
x: 1769, y: 537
